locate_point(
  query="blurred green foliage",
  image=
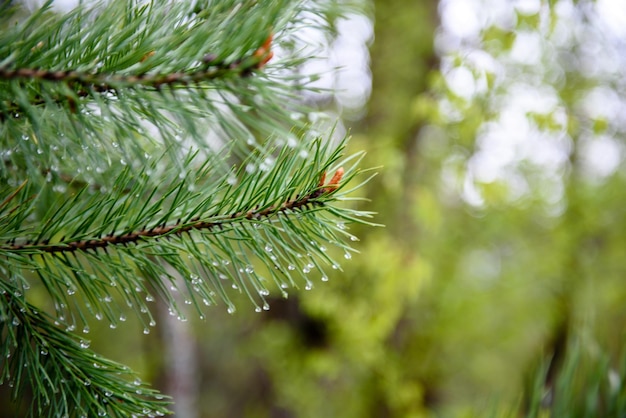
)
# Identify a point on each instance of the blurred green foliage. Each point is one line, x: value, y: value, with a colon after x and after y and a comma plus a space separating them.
x: 499, y: 296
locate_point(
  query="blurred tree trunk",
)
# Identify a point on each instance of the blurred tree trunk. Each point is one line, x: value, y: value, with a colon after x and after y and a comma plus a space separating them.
x: 403, y: 56
x: 180, y: 365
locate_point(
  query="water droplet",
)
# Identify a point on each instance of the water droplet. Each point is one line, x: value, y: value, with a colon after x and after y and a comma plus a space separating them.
x: 84, y: 343
x: 149, y: 298
x: 267, y: 164
x: 15, y: 321
x: 284, y: 285
x: 322, y: 248
x: 87, y: 382
x: 86, y: 329
x: 308, y: 286
x: 324, y: 278
x: 353, y: 238
x: 266, y: 306
x: 137, y: 382
x: 122, y: 318
x: 257, y: 309
x: 335, y: 267
x: 44, y: 352
x: 264, y: 292
x: 71, y: 291
x: 108, y: 299
x: 347, y: 255
x: 99, y: 316
x: 102, y: 413
x: 234, y: 286
x: 222, y: 276
x: 146, y: 331
x: 341, y: 225
x: 291, y: 267
x: 108, y: 393
x: 70, y: 328
x: 231, y: 310
x: 306, y: 270
x: 112, y: 325
x: 268, y: 248
x: 206, y: 302
x: 249, y: 269
x: 152, y: 322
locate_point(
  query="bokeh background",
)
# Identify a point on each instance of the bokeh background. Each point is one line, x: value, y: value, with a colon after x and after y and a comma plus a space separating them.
x: 498, y: 127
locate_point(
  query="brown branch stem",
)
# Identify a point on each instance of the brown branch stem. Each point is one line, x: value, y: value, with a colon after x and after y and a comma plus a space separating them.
x: 87, y: 83
x: 218, y: 221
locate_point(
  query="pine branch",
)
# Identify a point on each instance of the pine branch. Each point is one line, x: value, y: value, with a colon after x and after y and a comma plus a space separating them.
x: 134, y: 224
x: 84, y: 84
x: 146, y: 71
x: 65, y: 377
x: 210, y: 224
x: 154, y: 157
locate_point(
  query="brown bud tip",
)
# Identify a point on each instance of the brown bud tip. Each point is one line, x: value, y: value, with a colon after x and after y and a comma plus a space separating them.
x: 264, y: 53
x: 268, y: 42
x: 334, y: 182
x: 148, y: 55
x: 337, y: 177
x: 322, y: 180
x: 266, y: 59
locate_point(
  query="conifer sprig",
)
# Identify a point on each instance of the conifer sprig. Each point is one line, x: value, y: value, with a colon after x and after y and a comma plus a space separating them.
x: 283, y: 215
x: 40, y: 356
x: 134, y: 156
x: 158, y: 72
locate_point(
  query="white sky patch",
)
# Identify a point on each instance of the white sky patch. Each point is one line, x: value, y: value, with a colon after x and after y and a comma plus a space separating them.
x: 527, y: 48
x: 601, y: 156
x: 603, y: 103
x: 461, y: 18
x: 613, y: 14
x: 462, y: 82
x: 351, y: 55
x: 528, y: 7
